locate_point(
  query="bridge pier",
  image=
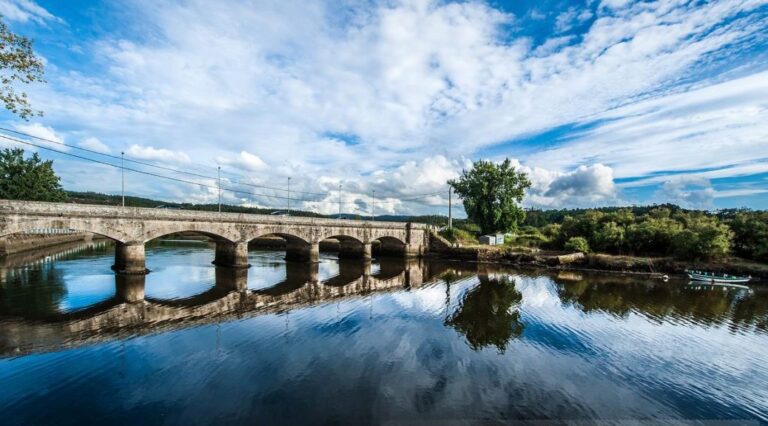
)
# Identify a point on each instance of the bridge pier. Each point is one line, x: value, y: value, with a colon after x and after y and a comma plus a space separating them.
x: 232, y: 279
x: 231, y: 255
x: 412, y: 251
x: 299, y: 251
x: 130, y: 288
x: 350, y: 249
x: 130, y: 259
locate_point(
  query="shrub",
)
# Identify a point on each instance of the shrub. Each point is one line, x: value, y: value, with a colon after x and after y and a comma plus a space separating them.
x: 455, y: 235
x: 577, y: 244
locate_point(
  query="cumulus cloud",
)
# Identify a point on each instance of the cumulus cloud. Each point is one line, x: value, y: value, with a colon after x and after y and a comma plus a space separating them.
x: 694, y: 193
x: 584, y: 186
x: 94, y: 144
x: 244, y: 161
x: 156, y: 154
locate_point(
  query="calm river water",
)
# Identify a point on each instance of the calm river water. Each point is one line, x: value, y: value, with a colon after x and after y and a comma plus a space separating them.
x: 386, y: 343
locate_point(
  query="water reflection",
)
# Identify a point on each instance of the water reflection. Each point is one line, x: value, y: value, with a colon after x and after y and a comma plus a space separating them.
x: 489, y: 314
x: 738, y: 307
x: 351, y: 342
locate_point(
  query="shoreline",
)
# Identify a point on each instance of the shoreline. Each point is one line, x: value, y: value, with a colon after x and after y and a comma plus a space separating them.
x: 594, y: 262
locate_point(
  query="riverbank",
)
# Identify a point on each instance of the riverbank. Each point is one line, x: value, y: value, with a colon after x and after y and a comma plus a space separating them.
x: 598, y: 262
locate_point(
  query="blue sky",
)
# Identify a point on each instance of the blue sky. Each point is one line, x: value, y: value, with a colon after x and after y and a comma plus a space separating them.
x: 607, y: 102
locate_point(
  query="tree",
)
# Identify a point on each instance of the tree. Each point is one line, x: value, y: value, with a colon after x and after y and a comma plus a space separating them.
x: 704, y: 238
x: 750, y: 231
x: 609, y: 238
x: 18, y: 64
x: 491, y: 194
x: 577, y: 244
x: 28, y: 179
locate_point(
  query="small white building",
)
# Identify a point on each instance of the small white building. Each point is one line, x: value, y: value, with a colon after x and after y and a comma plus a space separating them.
x: 492, y: 239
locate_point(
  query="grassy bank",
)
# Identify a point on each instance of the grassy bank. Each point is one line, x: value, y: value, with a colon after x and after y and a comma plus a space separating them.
x: 527, y: 256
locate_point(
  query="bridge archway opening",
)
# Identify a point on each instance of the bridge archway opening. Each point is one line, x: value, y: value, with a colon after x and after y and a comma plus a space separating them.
x: 198, y: 248
x: 296, y: 248
x: 346, y: 247
x: 388, y: 246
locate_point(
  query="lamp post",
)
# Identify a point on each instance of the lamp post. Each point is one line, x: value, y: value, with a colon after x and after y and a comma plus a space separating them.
x: 219, y: 170
x: 289, y: 195
x: 339, y: 200
x: 450, y: 216
x: 373, y: 203
x: 122, y: 176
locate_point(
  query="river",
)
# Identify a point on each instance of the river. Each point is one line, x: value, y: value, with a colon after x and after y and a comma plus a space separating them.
x: 347, y: 343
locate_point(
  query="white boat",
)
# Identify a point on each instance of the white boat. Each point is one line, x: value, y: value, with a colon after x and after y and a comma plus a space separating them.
x: 711, y: 277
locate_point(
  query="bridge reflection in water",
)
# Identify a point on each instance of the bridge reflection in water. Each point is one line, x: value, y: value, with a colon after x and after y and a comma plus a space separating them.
x: 131, y: 312
x: 488, y: 314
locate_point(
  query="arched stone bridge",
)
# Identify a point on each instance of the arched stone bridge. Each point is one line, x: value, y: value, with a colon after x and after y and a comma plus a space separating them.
x: 132, y: 227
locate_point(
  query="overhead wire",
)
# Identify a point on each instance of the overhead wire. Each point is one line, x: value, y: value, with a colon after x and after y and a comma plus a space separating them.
x: 385, y: 199
x: 144, y: 172
x: 143, y: 163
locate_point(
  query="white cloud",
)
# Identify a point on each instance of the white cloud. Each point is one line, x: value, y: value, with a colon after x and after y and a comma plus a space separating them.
x: 723, y: 126
x: 570, y: 18
x: 156, y: 154
x: 695, y: 193
x: 94, y: 144
x: 40, y: 135
x: 245, y: 161
x: 359, y: 98
x: 585, y: 186
x: 24, y: 11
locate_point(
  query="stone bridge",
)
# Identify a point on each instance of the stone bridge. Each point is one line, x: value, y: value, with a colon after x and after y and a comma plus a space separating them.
x: 132, y: 227
x: 129, y: 312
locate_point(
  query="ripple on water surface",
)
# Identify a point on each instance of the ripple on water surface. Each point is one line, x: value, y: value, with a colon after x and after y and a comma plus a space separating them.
x: 357, y: 343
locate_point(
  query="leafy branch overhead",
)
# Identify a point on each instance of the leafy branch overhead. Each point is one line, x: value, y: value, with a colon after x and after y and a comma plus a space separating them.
x: 18, y: 65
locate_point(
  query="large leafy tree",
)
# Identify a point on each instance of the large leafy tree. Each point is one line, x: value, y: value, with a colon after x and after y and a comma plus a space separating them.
x: 491, y: 194
x: 28, y: 178
x: 18, y: 64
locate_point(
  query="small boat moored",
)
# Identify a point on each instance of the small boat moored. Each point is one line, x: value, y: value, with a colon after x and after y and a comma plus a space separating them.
x: 712, y: 277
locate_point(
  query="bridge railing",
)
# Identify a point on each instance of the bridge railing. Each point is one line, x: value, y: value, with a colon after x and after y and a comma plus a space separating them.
x: 36, y: 208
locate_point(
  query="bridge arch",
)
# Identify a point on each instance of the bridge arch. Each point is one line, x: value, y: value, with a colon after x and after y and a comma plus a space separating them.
x: 213, y: 231
x: 93, y: 227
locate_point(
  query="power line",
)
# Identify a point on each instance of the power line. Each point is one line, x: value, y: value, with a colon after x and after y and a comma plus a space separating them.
x: 143, y: 163
x: 146, y: 172
x: 387, y: 199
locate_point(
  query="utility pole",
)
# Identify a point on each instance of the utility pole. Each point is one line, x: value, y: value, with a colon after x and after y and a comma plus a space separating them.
x: 339, y: 200
x: 122, y: 175
x: 289, y: 195
x: 219, y: 189
x: 450, y: 216
x: 373, y: 203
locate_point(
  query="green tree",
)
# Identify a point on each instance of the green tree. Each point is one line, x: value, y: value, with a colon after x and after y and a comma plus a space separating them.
x: 703, y: 238
x: 18, y: 64
x: 491, y: 194
x: 609, y: 238
x: 488, y: 315
x: 750, y: 231
x: 577, y: 244
x: 28, y: 179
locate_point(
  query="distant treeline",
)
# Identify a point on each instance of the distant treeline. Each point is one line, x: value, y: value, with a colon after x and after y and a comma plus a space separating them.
x: 661, y: 230
x: 116, y: 200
